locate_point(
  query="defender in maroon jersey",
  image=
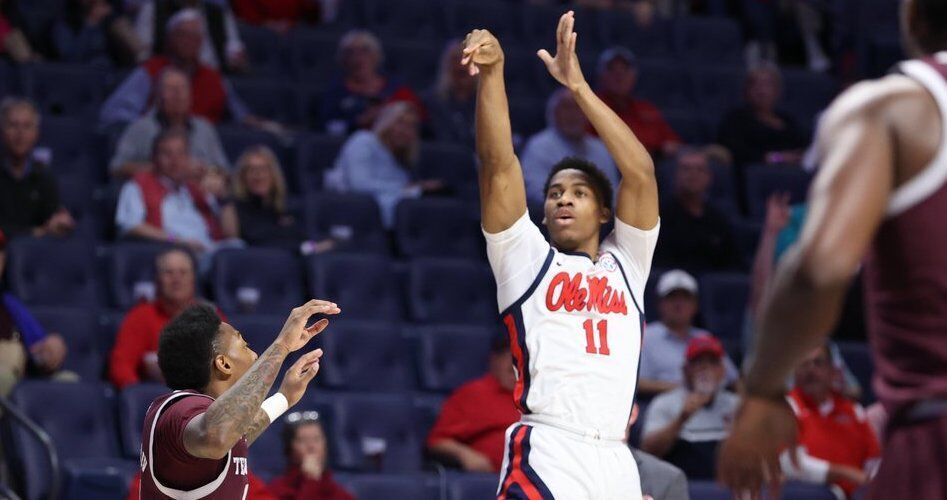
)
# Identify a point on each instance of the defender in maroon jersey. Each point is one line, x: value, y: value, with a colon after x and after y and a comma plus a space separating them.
x: 880, y: 199
x: 195, y: 439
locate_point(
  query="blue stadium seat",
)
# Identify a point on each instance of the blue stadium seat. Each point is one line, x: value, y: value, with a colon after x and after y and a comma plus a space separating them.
x: 9, y: 79
x: 53, y: 271
x: 353, y: 220
x: 81, y: 97
x: 763, y: 181
x: 501, y: 18
x: 133, y: 403
x: 271, y: 98
x: 79, y: 328
x: 657, y: 40
x: 471, y: 486
x: 747, y: 235
x: 709, y: 40
x: 451, y: 355
x: 437, y: 227
x: 691, y: 128
x: 131, y: 271
x: 707, y: 490
x: 78, y: 417
x: 857, y: 356
x: 651, y: 295
x: 723, y: 302
x: 451, y: 291
x: 806, y: 94
x: 408, y: 19
x: 527, y: 116
x: 718, y: 90
x: 266, y: 50
x: 415, y: 62
x: 427, y: 407
x: 275, y: 274
x: 450, y: 163
x: 365, y: 356
x: 236, y: 139
x: 795, y: 490
x: 368, y: 422
x: 365, y: 286
x: 390, y: 486
x: 315, y: 154
x: 667, y: 84
x: 313, y: 55
x: 77, y: 156
x: 101, y: 479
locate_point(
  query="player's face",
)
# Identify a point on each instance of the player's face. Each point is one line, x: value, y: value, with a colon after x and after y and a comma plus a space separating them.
x: 175, y: 276
x: 238, y: 353
x: 173, y: 160
x: 815, y: 374
x: 20, y: 131
x: 572, y: 211
x: 678, y: 308
x: 309, y: 440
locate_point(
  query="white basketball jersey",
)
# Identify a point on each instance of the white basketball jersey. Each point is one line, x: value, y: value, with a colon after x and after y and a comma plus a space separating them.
x: 575, y: 334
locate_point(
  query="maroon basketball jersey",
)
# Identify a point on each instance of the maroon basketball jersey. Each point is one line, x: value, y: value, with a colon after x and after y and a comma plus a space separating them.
x: 906, y: 271
x: 169, y: 471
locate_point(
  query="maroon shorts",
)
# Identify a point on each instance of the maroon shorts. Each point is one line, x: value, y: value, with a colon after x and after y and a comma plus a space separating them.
x: 913, y: 462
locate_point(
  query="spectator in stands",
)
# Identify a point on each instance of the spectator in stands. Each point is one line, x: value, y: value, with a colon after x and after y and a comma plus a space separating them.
x: 684, y: 426
x: 277, y: 15
x: 134, y: 357
x: 26, y: 348
x: 666, y: 341
x: 212, y: 96
x: 660, y: 480
x: 29, y: 195
x: 13, y: 42
x: 470, y: 431
x: 165, y: 204
x: 356, y: 100
x: 172, y: 109
x: 307, y: 474
x: 450, y: 103
x: 260, y: 201
x: 695, y: 235
x: 93, y: 32
x: 618, y: 74
x: 379, y: 162
x: 221, y: 47
x: 837, y: 443
x: 566, y: 134
x: 757, y: 132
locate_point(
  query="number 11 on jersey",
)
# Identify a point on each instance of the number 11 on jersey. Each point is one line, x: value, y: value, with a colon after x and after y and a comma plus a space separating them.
x: 602, y: 327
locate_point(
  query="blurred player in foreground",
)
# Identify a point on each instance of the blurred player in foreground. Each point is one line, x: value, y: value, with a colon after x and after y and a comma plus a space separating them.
x: 880, y: 199
x: 195, y: 439
x: 572, y: 306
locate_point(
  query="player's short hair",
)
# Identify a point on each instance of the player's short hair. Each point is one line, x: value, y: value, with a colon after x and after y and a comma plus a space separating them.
x: 187, y: 346
x: 597, y: 180
x: 933, y: 15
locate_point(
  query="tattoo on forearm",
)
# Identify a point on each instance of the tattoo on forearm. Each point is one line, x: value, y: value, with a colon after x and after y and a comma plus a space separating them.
x: 260, y: 422
x: 232, y: 414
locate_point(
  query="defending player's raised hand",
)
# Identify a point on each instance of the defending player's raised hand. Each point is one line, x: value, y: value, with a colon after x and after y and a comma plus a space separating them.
x: 481, y: 49
x: 749, y: 458
x: 564, y: 67
x: 299, y: 375
x: 295, y: 333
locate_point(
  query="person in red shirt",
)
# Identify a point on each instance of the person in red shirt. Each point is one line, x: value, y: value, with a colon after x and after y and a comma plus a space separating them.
x: 837, y: 443
x: 617, y: 76
x: 471, y: 427
x: 277, y: 15
x: 134, y: 357
x: 306, y: 477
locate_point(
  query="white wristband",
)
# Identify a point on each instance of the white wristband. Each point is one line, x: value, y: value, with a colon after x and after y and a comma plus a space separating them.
x: 275, y: 405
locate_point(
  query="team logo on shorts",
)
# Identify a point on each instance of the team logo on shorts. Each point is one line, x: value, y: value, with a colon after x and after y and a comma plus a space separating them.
x: 608, y: 263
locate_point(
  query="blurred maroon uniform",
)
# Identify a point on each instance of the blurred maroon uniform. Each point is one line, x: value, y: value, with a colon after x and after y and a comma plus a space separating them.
x: 169, y: 471
x: 906, y: 291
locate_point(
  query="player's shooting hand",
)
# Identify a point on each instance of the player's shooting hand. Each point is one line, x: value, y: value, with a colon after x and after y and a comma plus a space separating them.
x: 749, y: 458
x: 564, y: 67
x: 299, y: 375
x: 295, y: 333
x: 481, y: 49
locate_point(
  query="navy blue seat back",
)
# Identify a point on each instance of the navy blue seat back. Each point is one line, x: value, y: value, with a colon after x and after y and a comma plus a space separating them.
x: 390, y: 486
x: 81, y: 97
x: 451, y: 355
x: 365, y: 356
x: 363, y: 421
x: 315, y: 155
x: 132, y: 272
x: 438, y: 228
x: 352, y: 220
x: 266, y: 50
x: 723, y: 303
x: 98, y: 478
x: 133, y: 403
x: 273, y: 98
x: 450, y: 163
x: 53, y: 272
x: 408, y: 19
x: 276, y: 275
x: 452, y: 291
x: 763, y: 181
x: 709, y: 40
x: 80, y: 330
x: 718, y: 90
x: 857, y: 356
x: 707, y: 490
x: 313, y: 55
x: 666, y: 84
x: 656, y: 40
x: 471, y: 486
x: 427, y: 408
x: 414, y: 62
x: 365, y: 286
x: 795, y: 490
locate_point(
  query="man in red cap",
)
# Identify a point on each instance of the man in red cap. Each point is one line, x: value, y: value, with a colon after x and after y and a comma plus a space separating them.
x: 685, y: 425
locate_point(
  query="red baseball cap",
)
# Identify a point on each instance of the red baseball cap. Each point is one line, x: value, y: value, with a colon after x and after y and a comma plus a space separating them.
x: 706, y: 344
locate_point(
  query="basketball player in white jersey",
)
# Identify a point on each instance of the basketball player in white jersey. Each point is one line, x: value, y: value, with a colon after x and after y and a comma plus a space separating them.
x: 572, y: 306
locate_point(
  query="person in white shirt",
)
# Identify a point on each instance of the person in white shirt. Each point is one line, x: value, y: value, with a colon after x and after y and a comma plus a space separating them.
x: 572, y: 305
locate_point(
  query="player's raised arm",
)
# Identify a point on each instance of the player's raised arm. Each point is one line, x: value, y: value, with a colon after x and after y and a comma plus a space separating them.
x: 846, y: 205
x: 237, y: 412
x: 638, y: 193
x: 502, y: 192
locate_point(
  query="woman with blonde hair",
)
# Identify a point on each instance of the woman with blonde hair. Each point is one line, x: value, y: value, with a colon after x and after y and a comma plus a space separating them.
x: 261, y: 217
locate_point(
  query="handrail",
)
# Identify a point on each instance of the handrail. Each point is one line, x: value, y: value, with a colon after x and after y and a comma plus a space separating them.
x: 36, y: 430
